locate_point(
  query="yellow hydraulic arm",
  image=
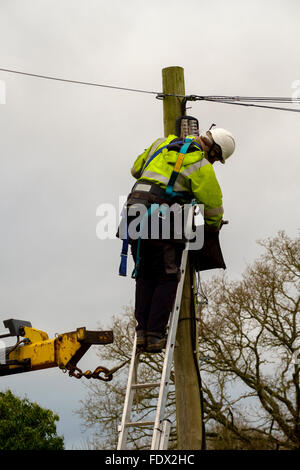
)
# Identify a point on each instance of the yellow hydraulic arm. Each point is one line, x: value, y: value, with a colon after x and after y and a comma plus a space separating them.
x: 36, y: 351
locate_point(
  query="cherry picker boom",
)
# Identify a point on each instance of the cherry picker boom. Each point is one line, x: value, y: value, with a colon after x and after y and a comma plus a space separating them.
x: 36, y: 351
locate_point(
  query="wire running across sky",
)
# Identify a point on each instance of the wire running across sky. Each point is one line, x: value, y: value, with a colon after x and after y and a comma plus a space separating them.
x: 234, y: 100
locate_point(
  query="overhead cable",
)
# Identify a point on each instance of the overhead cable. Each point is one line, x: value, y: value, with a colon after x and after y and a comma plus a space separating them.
x: 270, y: 99
x: 294, y: 110
x: 79, y: 82
x: 237, y: 100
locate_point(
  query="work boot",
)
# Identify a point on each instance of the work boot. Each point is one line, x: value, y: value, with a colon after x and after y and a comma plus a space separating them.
x: 155, y: 343
x: 140, y: 339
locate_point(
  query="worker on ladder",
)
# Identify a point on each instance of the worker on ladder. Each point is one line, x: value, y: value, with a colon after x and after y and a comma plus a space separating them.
x: 173, y: 170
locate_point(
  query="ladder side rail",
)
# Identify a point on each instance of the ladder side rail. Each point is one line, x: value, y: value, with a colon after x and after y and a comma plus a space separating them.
x: 164, y: 440
x: 164, y: 387
x: 123, y: 429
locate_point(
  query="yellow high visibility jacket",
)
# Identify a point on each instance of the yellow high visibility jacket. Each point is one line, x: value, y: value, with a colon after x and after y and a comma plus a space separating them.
x: 196, y: 177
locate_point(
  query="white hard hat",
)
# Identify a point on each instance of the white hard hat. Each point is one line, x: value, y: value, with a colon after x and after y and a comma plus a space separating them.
x: 225, y: 140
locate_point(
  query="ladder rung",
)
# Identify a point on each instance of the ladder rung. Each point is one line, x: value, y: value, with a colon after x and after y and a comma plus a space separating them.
x: 146, y: 385
x: 140, y: 423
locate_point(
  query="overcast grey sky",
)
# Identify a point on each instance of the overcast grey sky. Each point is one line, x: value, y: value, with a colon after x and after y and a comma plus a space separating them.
x: 66, y: 148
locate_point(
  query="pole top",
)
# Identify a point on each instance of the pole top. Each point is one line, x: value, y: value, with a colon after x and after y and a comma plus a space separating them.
x: 173, y: 67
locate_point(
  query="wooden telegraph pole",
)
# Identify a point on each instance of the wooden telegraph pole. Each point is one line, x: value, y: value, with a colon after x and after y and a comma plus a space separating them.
x: 188, y: 402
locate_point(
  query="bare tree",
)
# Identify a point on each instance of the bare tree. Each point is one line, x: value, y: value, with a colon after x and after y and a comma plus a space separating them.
x: 249, y: 335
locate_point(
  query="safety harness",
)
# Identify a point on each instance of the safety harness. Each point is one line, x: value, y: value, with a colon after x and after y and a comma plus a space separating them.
x: 169, y: 195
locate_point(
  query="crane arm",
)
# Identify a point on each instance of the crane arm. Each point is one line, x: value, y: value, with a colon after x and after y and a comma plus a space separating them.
x: 36, y: 351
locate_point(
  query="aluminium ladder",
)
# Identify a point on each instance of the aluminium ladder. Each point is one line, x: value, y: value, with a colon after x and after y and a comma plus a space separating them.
x: 161, y: 426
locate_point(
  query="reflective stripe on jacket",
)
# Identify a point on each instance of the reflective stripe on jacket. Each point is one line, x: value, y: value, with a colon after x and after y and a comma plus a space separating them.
x: 196, y: 176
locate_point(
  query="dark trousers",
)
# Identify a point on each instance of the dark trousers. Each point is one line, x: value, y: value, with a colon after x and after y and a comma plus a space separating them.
x: 156, y: 283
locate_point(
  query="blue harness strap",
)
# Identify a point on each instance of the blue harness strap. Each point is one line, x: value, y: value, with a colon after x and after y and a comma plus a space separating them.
x: 171, y: 144
x: 169, y: 193
x: 124, y: 251
x: 124, y: 254
x: 169, y: 189
x: 157, y: 153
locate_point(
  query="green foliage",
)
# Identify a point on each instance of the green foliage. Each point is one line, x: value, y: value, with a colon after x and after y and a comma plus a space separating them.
x: 27, y: 426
